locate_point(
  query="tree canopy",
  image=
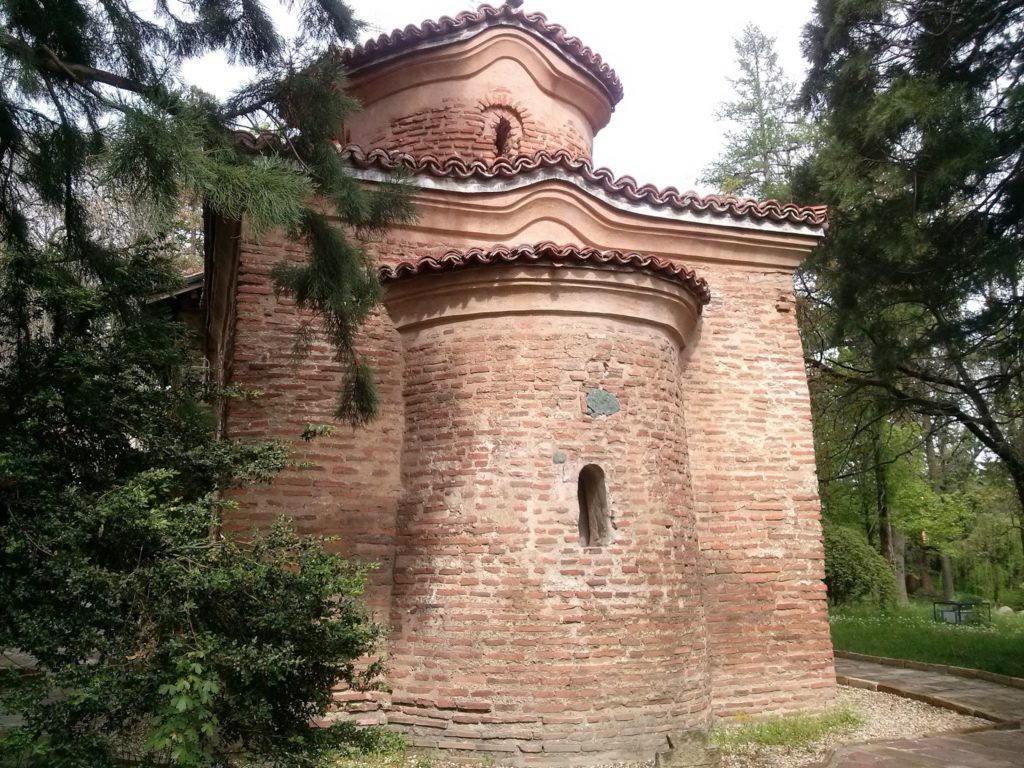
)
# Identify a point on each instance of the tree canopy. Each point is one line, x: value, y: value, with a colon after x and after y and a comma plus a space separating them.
x: 769, y: 134
x: 129, y: 627
x: 922, y: 165
x: 93, y: 89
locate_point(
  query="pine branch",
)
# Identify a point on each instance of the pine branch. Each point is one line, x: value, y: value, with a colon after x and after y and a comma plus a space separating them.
x: 44, y: 58
x: 84, y: 75
x: 979, y: 427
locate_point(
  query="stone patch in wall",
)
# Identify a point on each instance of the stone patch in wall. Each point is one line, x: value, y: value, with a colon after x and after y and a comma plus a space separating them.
x: 601, y: 402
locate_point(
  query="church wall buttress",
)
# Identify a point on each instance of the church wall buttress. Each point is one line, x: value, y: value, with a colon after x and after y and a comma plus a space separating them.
x: 755, y: 488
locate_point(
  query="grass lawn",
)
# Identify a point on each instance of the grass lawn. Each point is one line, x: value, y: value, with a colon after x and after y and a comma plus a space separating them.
x: 783, y: 731
x: 911, y: 633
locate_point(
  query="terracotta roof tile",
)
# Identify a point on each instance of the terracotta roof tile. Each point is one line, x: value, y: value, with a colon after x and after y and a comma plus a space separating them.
x: 401, y: 40
x: 624, y: 187
x: 550, y: 254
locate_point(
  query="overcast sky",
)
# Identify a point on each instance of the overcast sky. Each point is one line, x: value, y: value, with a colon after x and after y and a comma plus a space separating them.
x: 674, y: 60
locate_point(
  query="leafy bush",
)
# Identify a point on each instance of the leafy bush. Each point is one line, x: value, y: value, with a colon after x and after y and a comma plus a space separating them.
x: 153, y: 637
x: 854, y: 571
x: 144, y: 634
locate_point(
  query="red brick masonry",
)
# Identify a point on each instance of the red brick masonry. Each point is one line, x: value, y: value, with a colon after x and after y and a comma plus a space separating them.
x: 509, y: 636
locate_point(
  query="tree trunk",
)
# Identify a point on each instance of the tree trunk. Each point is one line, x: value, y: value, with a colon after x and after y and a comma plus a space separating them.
x: 899, y: 566
x: 947, y: 577
x: 882, y: 508
x: 892, y: 545
x: 936, y: 475
x: 1017, y: 473
x: 865, y: 511
x: 924, y: 569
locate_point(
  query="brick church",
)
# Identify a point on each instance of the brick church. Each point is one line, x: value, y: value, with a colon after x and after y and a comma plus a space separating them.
x: 590, y: 492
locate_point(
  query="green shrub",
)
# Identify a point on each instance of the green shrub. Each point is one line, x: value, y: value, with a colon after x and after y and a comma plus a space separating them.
x: 854, y: 571
x: 154, y: 638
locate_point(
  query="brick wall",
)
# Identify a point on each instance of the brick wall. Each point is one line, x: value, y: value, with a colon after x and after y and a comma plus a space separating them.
x: 753, y: 473
x: 508, y: 636
x: 352, y: 485
x: 467, y: 127
x: 490, y: 599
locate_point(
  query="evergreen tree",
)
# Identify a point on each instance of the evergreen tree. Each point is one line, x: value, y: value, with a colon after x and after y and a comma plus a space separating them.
x: 128, y: 627
x: 85, y: 84
x: 922, y: 165
x: 769, y: 134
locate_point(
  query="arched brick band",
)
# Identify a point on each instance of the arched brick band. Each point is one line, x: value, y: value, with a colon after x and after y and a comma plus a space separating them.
x: 402, y: 41
x: 551, y: 255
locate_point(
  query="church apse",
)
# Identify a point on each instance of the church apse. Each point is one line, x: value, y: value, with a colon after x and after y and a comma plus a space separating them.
x: 590, y: 493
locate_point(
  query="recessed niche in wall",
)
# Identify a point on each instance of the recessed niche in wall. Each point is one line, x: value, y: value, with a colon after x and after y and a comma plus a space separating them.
x: 594, y: 521
x: 504, y: 127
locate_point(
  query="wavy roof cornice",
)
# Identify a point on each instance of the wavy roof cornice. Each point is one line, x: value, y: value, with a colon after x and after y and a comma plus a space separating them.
x: 625, y: 187
x: 402, y: 41
x: 550, y: 254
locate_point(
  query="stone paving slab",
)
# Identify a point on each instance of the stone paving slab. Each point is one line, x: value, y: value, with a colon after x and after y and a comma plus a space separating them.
x: 990, y: 700
x: 987, y: 749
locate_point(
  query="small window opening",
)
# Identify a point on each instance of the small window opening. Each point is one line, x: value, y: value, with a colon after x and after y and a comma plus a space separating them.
x: 594, y: 522
x: 502, y: 133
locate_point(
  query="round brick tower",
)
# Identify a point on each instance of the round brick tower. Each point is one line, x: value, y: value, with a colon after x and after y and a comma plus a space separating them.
x: 546, y: 593
x: 496, y: 82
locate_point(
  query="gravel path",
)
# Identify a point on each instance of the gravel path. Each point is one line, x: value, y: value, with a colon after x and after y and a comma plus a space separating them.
x: 884, y: 717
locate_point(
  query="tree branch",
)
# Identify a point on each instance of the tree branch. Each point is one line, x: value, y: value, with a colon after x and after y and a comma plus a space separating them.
x: 77, y: 73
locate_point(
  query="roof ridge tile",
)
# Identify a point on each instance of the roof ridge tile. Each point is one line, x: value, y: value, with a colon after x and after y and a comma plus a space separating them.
x: 625, y: 186
x: 400, y: 40
x: 549, y: 253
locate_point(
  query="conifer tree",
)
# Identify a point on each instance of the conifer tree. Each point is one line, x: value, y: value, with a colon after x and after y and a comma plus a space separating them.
x: 922, y: 165
x: 769, y: 135
x: 128, y: 628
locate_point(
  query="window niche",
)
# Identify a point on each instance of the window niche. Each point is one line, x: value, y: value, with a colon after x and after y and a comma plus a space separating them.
x: 594, y: 520
x: 502, y: 134
x: 503, y: 129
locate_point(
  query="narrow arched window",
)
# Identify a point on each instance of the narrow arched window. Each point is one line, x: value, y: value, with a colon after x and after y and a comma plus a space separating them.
x: 502, y: 134
x: 594, y: 522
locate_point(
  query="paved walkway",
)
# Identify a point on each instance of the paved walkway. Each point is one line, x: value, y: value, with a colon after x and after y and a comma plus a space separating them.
x: 988, y: 749
x: 985, y: 749
x: 978, y: 697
